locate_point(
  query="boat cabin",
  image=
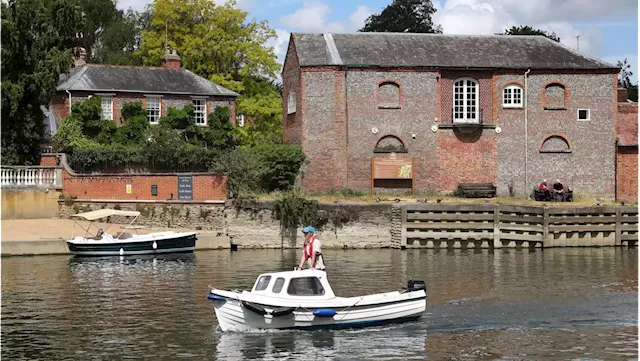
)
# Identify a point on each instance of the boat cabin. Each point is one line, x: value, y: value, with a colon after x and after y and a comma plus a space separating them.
x: 305, y: 283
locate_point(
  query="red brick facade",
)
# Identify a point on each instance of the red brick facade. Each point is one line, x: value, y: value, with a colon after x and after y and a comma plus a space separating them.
x: 627, y: 154
x: 340, y: 118
x: 206, y: 187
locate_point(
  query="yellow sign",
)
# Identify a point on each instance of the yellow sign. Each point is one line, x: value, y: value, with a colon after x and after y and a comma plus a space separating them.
x: 128, y: 188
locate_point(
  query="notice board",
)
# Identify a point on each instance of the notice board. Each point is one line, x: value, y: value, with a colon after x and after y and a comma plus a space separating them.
x: 185, y: 187
x: 391, y: 168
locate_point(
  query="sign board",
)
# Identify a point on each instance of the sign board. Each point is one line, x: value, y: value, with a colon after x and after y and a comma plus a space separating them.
x: 154, y: 190
x: 128, y: 188
x: 391, y: 168
x: 185, y: 187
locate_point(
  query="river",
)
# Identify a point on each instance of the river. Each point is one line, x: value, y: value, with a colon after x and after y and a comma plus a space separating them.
x: 552, y: 304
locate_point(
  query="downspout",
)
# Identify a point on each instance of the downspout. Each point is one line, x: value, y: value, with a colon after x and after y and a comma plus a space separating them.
x: 526, y: 130
x: 68, y: 92
x: 346, y: 123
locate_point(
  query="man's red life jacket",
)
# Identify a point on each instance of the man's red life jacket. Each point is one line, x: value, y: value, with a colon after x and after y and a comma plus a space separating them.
x: 308, y: 249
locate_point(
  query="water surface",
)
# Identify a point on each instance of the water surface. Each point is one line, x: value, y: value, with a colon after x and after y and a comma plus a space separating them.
x: 560, y: 304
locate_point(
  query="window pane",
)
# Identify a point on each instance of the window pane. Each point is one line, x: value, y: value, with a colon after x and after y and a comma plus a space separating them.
x: 263, y: 282
x: 107, y: 108
x: 583, y: 114
x: 199, y: 111
x: 305, y: 286
x: 277, y: 286
x: 153, y: 109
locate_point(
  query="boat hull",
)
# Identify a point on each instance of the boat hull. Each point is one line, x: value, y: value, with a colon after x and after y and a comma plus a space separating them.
x: 182, y: 243
x: 232, y: 315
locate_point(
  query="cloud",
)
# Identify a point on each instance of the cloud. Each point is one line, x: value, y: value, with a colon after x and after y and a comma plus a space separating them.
x: 137, y: 5
x: 487, y: 17
x: 313, y: 17
x: 280, y: 44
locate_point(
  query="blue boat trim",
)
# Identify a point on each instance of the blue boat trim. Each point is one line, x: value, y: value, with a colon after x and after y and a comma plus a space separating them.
x: 324, y: 312
x: 215, y: 297
x: 355, y: 324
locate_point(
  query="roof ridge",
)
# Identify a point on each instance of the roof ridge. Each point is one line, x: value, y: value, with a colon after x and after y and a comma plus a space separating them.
x: 429, y: 34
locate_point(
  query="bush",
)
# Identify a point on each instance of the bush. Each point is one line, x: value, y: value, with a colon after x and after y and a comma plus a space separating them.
x: 280, y: 165
x: 132, y: 109
x: 293, y: 209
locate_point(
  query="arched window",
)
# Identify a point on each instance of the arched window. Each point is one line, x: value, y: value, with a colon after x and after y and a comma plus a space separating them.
x: 388, y: 95
x: 555, y: 144
x: 389, y: 144
x: 465, y: 101
x: 512, y: 96
x: 555, y: 96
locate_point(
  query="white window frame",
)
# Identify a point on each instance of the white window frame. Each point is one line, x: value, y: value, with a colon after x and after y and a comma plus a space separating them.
x: 197, y: 111
x: 511, y: 97
x: 159, y: 108
x: 291, y: 102
x: 240, y: 120
x: 465, y: 100
x: 588, y: 115
x: 106, y: 114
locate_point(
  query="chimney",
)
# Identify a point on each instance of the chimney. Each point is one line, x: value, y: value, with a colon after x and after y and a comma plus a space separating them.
x: 171, y: 60
x: 623, y: 95
x: 81, y: 57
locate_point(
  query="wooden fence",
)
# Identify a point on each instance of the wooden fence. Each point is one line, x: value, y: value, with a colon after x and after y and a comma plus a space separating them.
x: 496, y: 226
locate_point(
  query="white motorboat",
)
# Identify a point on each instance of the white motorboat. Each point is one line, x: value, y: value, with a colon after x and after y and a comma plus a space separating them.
x: 124, y: 243
x: 305, y: 300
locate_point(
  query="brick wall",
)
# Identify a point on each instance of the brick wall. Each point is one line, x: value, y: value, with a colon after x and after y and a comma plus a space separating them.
x: 589, y: 168
x: 337, y: 113
x: 113, y: 186
x: 292, y: 123
x: 627, y: 155
x: 48, y: 160
x: 628, y: 174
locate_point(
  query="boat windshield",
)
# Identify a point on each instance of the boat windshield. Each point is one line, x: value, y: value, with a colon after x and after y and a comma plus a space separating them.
x: 305, y: 286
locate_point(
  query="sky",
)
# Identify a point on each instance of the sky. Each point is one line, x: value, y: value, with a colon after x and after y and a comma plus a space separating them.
x: 607, y: 30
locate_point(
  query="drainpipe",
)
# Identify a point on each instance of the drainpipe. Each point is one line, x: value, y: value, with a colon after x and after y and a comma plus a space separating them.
x: 68, y: 92
x: 526, y: 130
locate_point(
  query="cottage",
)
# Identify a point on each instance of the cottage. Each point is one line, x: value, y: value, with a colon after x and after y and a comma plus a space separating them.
x: 157, y: 88
x: 449, y: 109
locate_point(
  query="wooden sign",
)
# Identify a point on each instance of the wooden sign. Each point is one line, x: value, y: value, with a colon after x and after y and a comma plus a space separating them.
x: 391, y: 168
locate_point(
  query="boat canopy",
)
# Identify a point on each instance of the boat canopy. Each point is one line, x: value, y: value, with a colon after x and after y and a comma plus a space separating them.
x: 103, y: 213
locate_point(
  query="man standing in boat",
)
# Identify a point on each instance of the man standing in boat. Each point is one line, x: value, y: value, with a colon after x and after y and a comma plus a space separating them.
x: 311, y: 252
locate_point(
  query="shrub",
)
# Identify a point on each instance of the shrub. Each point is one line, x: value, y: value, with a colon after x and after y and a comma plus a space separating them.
x: 280, y: 165
x: 293, y: 209
x: 132, y: 109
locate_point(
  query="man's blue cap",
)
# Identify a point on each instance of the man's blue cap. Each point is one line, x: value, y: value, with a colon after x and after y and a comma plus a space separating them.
x: 308, y: 229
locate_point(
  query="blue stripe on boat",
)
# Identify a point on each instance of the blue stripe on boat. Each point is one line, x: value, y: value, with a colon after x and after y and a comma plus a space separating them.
x: 324, y: 312
x: 215, y: 297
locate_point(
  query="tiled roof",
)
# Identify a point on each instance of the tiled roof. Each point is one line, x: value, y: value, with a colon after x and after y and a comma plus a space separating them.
x: 140, y: 79
x: 441, y: 51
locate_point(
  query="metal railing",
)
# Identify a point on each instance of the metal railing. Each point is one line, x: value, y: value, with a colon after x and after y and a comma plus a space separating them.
x: 31, y: 177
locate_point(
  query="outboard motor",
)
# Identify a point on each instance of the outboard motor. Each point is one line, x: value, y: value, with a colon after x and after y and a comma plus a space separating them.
x: 416, y: 285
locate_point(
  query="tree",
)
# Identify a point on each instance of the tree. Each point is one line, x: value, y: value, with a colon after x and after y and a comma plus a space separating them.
x: 528, y: 30
x: 213, y: 41
x: 624, y: 80
x: 261, y: 101
x: 36, y: 38
x: 121, y: 39
x: 404, y: 16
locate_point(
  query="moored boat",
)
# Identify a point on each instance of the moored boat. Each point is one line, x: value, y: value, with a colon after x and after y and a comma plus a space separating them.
x: 125, y: 243
x: 305, y: 300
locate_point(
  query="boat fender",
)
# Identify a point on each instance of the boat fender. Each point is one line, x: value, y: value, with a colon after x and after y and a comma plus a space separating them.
x: 255, y: 308
x: 213, y: 297
x: 324, y: 312
x: 282, y: 311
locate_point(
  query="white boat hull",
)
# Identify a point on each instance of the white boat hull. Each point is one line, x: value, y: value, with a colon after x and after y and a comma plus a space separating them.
x: 152, y: 243
x: 232, y: 315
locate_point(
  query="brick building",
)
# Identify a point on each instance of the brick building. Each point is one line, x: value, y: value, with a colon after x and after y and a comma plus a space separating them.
x: 509, y: 110
x: 627, y: 149
x: 158, y: 88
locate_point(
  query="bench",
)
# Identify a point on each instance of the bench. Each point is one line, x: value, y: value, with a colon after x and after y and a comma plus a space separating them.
x: 550, y: 196
x: 475, y: 190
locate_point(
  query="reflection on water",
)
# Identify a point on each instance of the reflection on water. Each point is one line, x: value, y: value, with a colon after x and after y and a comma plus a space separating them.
x: 482, y: 305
